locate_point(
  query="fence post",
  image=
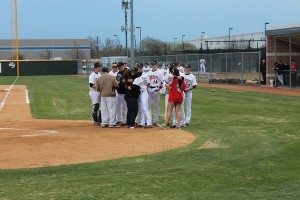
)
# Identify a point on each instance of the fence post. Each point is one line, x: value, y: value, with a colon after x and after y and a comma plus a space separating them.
x: 243, y: 68
x: 226, y: 67
x: 259, y: 66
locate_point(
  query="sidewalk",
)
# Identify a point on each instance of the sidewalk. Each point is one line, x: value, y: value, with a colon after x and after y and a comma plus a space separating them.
x: 263, y: 89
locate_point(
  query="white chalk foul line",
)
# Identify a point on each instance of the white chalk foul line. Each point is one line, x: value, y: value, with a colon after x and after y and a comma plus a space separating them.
x: 42, y: 132
x: 5, y: 97
x: 27, y: 97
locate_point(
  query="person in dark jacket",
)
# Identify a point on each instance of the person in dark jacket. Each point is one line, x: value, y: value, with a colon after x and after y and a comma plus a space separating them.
x: 132, y: 93
x: 286, y: 74
x: 263, y: 70
x: 121, y: 106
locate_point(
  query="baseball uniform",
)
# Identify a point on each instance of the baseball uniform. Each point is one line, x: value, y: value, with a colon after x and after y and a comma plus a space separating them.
x: 95, y: 96
x: 191, y: 83
x: 202, y: 65
x: 143, y: 81
x: 146, y: 69
x: 156, y: 79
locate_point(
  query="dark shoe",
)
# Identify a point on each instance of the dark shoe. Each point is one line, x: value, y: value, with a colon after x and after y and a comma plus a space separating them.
x: 104, y: 126
x: 173, y: 126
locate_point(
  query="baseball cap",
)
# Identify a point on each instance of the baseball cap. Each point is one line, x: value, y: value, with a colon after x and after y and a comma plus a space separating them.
x: 120, y: 64
x: 153, y: 62
x: 187, y: 66
x: 139, y: 65
x: 134, y: 69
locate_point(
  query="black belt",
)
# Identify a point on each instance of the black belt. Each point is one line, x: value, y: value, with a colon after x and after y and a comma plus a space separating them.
x: 152, y: 86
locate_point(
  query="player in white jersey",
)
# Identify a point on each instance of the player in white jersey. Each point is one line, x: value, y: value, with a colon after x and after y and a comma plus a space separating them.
x: 94, y: 94
x: 146, y: 68
x: 202, y: 65
x: 191, y: 83
x: 143, y: 81
x: 179, y: 67
x: 156, y: 80
x: 114, y: 69
x: 165, y: 71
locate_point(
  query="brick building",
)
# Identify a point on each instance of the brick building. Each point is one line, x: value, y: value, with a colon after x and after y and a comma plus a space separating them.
x: 283, y: 44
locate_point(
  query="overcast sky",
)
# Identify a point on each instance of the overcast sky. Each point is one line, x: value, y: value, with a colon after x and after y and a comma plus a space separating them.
x: 160, y: 19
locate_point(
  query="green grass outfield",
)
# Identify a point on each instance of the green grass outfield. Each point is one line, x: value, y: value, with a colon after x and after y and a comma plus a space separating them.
x: 256, y: 152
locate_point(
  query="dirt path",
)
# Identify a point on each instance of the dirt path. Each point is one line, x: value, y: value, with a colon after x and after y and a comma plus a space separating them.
x: 29, y: 143
x: 264, y: 89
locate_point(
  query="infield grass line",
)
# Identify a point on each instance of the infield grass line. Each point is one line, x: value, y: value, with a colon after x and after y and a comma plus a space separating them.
x: 7, y: 94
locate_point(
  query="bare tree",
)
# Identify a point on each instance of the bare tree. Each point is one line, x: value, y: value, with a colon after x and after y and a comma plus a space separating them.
x: 76, y: 53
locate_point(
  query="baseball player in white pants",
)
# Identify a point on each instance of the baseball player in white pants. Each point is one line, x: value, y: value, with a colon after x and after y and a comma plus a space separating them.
x: 120, y: 101
x: 191, y: 83
x: 143, y: 81
x: 94, y: 94
x: 156, y: 80
x: 202, y: 65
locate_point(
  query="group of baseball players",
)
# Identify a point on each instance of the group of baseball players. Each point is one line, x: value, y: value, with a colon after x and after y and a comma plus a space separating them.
x: 124, y: 96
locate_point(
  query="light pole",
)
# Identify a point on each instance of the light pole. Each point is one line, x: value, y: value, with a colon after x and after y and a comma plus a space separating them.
x: 125, y: 8
x: 175, y: 40
x: 229, y: 37
x: 132, y: 35
x: 265, y: 33
x: 182, y: 42
x: 202, y: 39
x: 139, y: 27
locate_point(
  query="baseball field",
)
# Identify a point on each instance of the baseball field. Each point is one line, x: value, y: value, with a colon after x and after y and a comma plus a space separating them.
x: 240, y: 145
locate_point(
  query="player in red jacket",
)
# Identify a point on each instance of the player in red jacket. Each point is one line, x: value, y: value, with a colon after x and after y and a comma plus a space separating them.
x: 176, y: 93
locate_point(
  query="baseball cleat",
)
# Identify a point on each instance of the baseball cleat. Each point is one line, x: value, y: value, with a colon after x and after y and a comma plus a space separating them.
x: 162, y: 126
x: 114, y: 126
x: 173, y: 126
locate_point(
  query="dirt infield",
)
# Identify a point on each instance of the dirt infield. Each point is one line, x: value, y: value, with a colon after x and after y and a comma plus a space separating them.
x: 27, y: 143
x: 263, y: 89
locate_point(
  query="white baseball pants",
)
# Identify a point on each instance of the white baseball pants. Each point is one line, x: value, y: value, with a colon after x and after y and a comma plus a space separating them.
x: 121, y: 108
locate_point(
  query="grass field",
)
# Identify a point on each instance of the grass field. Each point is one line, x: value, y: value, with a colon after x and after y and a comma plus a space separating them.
x: 251, y: 152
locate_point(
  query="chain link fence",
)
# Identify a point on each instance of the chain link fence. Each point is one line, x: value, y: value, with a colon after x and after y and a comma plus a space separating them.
x: 234, y: 68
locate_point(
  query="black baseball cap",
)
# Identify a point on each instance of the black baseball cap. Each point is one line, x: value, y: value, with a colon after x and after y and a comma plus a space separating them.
x: 153, y: 62
x: 187, y: 66
x: 120, y: 64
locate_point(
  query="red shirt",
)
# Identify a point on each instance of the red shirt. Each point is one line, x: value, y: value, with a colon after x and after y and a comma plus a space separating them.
x: 176, y: 94
x: 294, y: 67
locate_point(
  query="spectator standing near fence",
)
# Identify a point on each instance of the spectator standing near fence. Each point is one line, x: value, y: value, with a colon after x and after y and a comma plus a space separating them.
x: 94, y: 94
x: 294, y: 73
x: 263, y: 69
x: 107, y: 84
